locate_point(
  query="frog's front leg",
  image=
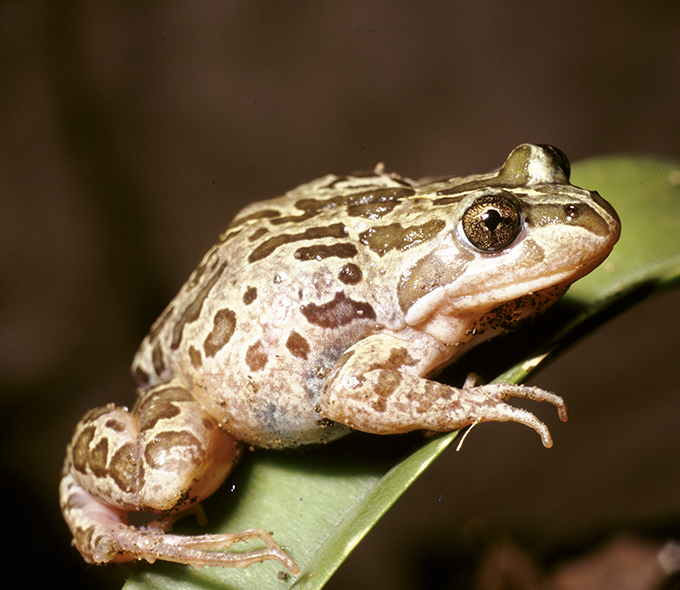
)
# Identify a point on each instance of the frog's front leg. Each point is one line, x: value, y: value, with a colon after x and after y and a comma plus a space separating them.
x: 377, y: 387
x: 163, y: 457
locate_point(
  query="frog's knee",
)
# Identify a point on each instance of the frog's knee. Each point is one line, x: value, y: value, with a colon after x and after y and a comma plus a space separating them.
x: 165, y: 455
x: 185, y: 455
x: 104, y: 455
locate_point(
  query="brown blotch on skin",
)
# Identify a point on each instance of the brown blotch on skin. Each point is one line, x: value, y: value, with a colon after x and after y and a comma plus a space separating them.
x: 257, y: 234
x: 350, y: 274
x: 256, y: 359
x: 371, y: 203
x: 383, y: 238
x: 427, y: 395
x: 542, y: 213
x: 195, y: 357
x: 298, y: 345
x: 160, y: 322
x: 94, y: 414
x: 321, y: 251
x: 157, y: 358
x: 224, y: 325
x: 332, y: 185
x: 125, y: 468
x: 115, y: 425
x: 428, y: 274
x: 160, y: 451
x: 96, y: 458
x: 390, y: 377
x: 141, y: 376
x: 264, y: 214
x: 338, y: 312
x: 422, y: 400
x: 294, y: 218
x: 447, y: 200
x: 483, y: 182
x: 192, y: 312
x: 159, y: 405
x: 385, y: 387
x: 337, y: 230
x: 372, y: 211
x: 209, y: 262
x: 198, y: 273
x: 398, y: 358
x: 81, y: 449
x: 228, y: 235
x: 377, y: 203
x: 250, y: 295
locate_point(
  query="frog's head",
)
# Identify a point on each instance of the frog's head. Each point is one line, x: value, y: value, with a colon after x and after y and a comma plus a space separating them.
x: 520, y: 237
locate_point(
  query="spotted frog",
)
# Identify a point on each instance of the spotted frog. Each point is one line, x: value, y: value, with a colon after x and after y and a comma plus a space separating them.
x: 321, y: 312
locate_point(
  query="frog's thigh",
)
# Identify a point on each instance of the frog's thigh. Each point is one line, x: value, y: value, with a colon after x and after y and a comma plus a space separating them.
x: 166, y: 454
x: 376, y: 388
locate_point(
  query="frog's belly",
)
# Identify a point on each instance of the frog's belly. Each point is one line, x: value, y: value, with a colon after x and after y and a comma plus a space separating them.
x: 277, y: 413
x: 275, y: 402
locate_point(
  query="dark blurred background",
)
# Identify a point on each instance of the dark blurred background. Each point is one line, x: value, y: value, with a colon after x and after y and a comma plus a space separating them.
x: 130, y: 133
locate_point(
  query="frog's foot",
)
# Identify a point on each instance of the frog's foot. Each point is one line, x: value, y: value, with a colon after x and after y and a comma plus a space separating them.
x: 102, y: 535
x: 493, y: 408
x: 211, y: 549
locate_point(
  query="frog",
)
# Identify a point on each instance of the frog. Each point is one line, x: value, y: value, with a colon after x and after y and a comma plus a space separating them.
x: 325, y: 311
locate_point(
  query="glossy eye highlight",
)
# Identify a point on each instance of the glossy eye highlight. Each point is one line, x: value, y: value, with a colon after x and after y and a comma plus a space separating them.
x: 491, y: 223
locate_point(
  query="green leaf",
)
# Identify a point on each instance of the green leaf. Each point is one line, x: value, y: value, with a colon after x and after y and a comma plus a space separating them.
x: 321, y: 502
x: 646, y: 194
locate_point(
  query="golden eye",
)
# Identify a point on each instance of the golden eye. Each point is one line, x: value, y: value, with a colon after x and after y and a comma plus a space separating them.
x: 491, y: 223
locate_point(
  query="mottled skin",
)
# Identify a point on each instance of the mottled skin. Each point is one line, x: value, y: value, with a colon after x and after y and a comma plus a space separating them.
x: 322, y: 311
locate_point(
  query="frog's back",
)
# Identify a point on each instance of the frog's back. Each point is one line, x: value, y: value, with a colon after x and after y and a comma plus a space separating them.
x: 291, y: 284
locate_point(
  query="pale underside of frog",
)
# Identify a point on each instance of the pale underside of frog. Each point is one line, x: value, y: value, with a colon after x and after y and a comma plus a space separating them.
x: 319, y: 312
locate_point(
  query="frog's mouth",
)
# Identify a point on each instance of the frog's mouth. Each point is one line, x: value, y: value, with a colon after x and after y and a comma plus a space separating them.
x: 469, y: 321
x: 531, y: 287
x: 500, y: 296
x: 487, y: 284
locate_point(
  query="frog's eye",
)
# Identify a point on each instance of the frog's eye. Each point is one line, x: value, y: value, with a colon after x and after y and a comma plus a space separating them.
x: 491, y: 223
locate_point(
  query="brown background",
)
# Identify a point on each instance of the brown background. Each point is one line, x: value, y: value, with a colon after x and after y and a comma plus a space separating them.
x: 130, y: 133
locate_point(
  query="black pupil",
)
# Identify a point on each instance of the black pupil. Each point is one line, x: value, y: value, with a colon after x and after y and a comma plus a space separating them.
x: 491, y: 219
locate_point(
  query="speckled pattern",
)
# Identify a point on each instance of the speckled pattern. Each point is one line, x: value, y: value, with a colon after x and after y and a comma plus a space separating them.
x: 322, y: 311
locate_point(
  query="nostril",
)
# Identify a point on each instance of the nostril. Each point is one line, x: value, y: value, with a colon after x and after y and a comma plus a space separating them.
x: 571, y: 212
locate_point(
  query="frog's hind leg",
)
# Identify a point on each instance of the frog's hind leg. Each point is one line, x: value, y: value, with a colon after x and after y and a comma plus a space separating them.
x: 165, y: 456
x: 102, y: 535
